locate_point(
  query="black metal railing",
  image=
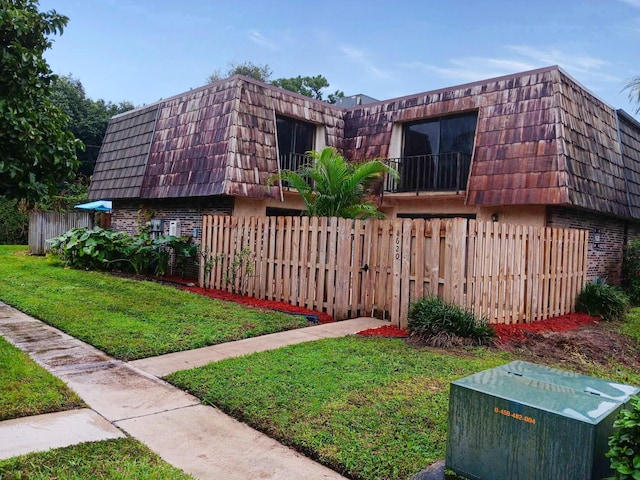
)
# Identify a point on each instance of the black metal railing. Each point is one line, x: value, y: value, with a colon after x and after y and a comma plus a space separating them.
x: 293, y: 162
x: 446, y: 172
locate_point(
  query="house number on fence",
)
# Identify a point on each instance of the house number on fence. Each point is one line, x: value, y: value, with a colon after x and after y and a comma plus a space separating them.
x: 398, y: 247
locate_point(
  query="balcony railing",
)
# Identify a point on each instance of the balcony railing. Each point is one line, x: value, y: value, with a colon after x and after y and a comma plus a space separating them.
x: 446, y: 172
x: 293, y: 161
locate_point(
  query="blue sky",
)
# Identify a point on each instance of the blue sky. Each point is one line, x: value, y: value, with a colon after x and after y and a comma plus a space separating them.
x: 144, y: 50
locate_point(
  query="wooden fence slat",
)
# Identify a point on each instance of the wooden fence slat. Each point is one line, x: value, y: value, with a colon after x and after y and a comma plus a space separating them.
x: 287, y: 252
x: 405, y: 287
x: 303, y: 261
x: 370, y: 251
x: 313, y: 264
x: 342, y: 266
x: 433, y: 257
x: 323, y: 229
x: 479, y: 269
x: 46, y: 225
x: 355, y: 289
x: 419, y: 266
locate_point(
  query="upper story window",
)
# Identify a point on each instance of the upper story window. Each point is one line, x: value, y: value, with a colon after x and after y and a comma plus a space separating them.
x: 436, y: 154
x: 295, y: 137
x: 442, y: 135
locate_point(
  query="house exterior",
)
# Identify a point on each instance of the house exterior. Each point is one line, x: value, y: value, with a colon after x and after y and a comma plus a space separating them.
x: 532, y: 148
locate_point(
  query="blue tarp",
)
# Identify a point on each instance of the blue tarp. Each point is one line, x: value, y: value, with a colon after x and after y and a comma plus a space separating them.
x: 102, y: 205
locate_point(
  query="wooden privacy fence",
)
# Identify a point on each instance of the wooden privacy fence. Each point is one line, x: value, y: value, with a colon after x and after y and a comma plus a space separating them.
x: 508, y: 273
x: 45, y: 225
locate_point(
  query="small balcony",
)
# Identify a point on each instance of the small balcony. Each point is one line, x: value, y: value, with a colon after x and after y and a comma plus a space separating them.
x: 293, y: 162
x: 446, y: 172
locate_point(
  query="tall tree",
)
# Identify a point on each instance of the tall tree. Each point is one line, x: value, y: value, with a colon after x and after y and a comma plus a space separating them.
x: 634, y: 92
x: 332, y: 187
x: 89, y: 118
x: 36, y: 148
x: 261, y: 73
x: 309, y: 87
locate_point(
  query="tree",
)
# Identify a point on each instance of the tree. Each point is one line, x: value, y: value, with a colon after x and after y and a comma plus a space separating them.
x: 36, y: 148
x: 309, y: 87
x: 248, y: 69
x: 89, y: 118
x: 332, y: 187
x: 634, y: 92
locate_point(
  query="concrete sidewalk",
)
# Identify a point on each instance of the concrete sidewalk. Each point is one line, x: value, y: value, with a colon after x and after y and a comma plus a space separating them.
x: 163, y: 365
x: 199, y: 439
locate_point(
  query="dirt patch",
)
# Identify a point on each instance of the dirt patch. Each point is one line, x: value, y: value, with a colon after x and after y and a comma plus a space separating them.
x: 594, y: 343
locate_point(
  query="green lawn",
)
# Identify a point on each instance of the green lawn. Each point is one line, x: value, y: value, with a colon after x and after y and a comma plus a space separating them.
x: 125, y: 318
x: 121, y: 459
x: 370, y: 408
x: 28, y: 389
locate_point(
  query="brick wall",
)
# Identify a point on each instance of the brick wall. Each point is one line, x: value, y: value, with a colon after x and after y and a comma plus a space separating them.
x: 605, y: 257
x: 127, y: 215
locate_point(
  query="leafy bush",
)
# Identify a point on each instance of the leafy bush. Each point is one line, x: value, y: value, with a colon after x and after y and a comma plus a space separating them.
x: 631, y: 270
x: 624, y: 444
x: 436, y: 322
x: 14, y: 222
x: 102, y: 249
x: 602, y: 300
x: 90, y: 248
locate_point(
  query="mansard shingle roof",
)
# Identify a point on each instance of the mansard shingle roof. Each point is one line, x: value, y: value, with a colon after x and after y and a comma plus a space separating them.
x: 541, y: 138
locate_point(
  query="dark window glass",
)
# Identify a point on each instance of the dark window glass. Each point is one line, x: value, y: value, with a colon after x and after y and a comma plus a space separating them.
x: 456, y: 134
x: 422, y: 138
x: 452, y: 134
x: 437, y: 153
x: 283, y: 212
x: 294, y: 136
x: 430, y: 216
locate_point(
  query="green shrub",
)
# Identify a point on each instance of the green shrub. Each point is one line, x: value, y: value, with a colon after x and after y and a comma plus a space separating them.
x: 631, y: 270
x: 436, y: 322
x: 90, y: 248
x: 102, y: 249
x: 624, y: 444
x: 602, y: 300
x: 14, y: 222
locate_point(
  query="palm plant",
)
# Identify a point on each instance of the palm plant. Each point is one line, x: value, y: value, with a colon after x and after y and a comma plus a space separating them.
x: 634, y: 91
x: 330, y: 186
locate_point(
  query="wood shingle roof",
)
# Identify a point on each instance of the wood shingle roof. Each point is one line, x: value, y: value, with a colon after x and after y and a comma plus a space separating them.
x: 541, y: 138
x: 215, y: 140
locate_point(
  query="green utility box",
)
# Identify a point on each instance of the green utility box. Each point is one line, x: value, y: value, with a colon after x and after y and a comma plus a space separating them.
x: 525, y: 421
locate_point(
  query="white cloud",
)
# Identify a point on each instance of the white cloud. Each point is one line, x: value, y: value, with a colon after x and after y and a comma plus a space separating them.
x: 633, y: 3
x: 359, y: 57
x: 582, y: 64
x: 520, y: 58
x: 471, y: 69
x: 259, y: 39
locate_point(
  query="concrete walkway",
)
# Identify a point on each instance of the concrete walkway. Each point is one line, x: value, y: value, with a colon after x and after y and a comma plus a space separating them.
x: 199, y: 439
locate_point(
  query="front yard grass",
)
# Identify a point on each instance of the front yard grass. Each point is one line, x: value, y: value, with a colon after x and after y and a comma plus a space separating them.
x: 370, y: 408
x: 125, y: 318
x: 121, y: 459
x: 28, y: 389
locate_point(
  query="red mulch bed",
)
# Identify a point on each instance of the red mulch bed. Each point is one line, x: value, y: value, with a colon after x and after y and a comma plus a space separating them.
x: 384, y: 331
x: 505, y: 333
x: 563, y: 323
x: 256, y: 302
